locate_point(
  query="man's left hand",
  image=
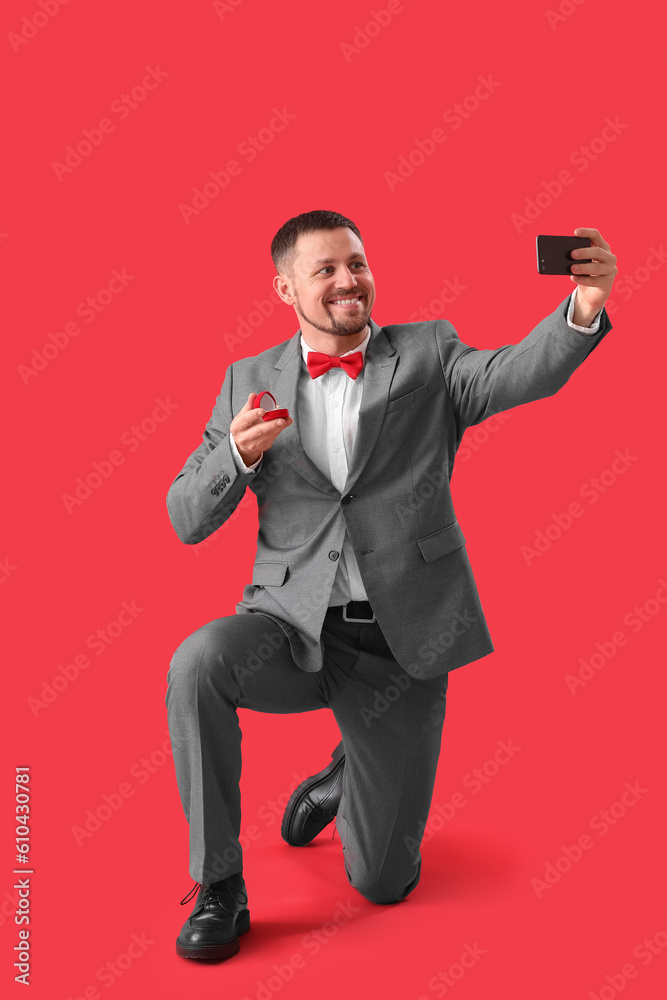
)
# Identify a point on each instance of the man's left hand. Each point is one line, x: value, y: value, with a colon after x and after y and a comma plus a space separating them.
x: 593, y: 280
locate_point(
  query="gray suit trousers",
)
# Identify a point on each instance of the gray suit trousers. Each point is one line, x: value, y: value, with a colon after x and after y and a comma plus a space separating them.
x: 390, y: 723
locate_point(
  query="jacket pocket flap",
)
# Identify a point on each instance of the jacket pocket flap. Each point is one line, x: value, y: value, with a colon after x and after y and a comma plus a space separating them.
x: 269, y: 574
x: 439, y: 543
x: 408, y: 397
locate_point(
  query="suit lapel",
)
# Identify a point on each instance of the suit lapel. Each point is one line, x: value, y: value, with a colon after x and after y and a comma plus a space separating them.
x: 284, y: 386
x: 379, y: 365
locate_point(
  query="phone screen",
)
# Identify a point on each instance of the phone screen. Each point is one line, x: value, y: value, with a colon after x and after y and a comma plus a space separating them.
x: 553, y: 253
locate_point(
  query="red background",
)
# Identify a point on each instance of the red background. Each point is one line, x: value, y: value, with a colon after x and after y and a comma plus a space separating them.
x: 66, y: 574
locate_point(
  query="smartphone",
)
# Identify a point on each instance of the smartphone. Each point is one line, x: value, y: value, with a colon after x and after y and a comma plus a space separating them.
x: 553, y: 253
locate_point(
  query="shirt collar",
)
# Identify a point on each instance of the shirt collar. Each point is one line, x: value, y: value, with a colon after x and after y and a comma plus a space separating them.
x: 360, y: 347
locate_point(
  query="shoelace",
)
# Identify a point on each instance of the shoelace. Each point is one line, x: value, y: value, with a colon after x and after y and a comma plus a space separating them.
x: 195, y: 888
x: 208, y: 891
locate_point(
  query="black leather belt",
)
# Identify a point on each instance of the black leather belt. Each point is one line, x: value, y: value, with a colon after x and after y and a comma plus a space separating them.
x: 353, y: 611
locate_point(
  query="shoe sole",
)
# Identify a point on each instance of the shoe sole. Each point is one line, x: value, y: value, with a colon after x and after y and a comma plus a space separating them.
x: 338, y: 758
x: 217, y: 952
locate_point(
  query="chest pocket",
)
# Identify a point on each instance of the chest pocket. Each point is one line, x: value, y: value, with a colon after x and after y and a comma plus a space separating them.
x: 408, y: 398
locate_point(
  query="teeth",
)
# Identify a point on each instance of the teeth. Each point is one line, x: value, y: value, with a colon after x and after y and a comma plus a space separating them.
x: 345, y: 302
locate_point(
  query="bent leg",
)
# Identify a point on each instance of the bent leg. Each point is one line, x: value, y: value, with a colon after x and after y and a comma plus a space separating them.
x: 391, y: 725
x: 235, y: 661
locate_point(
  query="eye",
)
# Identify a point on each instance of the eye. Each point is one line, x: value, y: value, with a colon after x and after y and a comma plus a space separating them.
x: 356, y: 263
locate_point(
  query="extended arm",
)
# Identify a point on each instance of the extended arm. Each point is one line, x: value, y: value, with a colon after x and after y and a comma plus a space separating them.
x: 484, y: 382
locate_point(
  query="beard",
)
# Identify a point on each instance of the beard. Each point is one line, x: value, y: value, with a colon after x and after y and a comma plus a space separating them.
x: 339, y: 326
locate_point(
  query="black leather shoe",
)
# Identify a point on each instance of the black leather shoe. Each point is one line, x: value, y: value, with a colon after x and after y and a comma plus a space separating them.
x: 315, y: 802
x: 220, y: 915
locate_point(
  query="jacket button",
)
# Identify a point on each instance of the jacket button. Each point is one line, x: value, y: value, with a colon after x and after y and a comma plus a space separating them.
x: 214, y: 493
x: 333, y: 555
x: 225, y: 479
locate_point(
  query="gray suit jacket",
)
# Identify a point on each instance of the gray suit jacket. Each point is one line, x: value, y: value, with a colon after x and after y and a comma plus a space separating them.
x: 422, y: 389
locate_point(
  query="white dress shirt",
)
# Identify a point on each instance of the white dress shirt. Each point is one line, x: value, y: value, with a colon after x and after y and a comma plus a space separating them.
x: 328, y: 414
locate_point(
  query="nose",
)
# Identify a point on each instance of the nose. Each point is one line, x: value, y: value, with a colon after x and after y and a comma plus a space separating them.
x: 345, y: 278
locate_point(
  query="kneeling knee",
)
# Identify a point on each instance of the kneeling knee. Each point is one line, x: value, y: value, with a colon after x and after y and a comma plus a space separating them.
x: 379, y: 890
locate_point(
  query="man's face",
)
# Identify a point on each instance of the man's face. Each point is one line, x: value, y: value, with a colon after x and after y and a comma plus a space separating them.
x: 330, y: 269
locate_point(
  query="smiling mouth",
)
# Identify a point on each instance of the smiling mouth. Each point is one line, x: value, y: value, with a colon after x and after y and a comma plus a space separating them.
x: 348, y: 303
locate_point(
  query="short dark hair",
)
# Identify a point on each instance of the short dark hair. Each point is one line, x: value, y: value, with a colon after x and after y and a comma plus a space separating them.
x: 284, y: 242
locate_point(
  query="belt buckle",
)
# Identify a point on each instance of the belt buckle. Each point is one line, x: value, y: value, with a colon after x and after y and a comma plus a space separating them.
x: 366, y: 620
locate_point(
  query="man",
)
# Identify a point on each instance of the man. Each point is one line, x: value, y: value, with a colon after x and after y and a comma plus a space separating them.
x: 362, y: 597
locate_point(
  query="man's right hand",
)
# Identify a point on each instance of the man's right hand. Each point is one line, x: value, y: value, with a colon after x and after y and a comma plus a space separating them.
x: 253, y: 434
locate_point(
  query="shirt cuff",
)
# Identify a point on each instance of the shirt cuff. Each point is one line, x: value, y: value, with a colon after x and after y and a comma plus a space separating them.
x: 588, y: 331
x: 240, y: 464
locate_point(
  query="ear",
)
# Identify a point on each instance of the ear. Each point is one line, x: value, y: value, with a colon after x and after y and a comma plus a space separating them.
x: 281, y: 284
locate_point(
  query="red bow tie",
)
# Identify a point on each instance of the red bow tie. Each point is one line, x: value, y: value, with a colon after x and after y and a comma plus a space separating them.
x: 319, y: 363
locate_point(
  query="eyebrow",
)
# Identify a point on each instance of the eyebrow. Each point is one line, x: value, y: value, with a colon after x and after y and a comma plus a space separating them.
x: 330, y: 260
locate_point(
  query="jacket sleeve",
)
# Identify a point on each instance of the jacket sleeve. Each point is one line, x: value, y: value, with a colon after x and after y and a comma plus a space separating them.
x: 210, y: 485
x: 484, y: 382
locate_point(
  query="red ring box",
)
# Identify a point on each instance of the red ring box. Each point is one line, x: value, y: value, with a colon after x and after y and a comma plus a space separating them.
x: 270, y: 414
